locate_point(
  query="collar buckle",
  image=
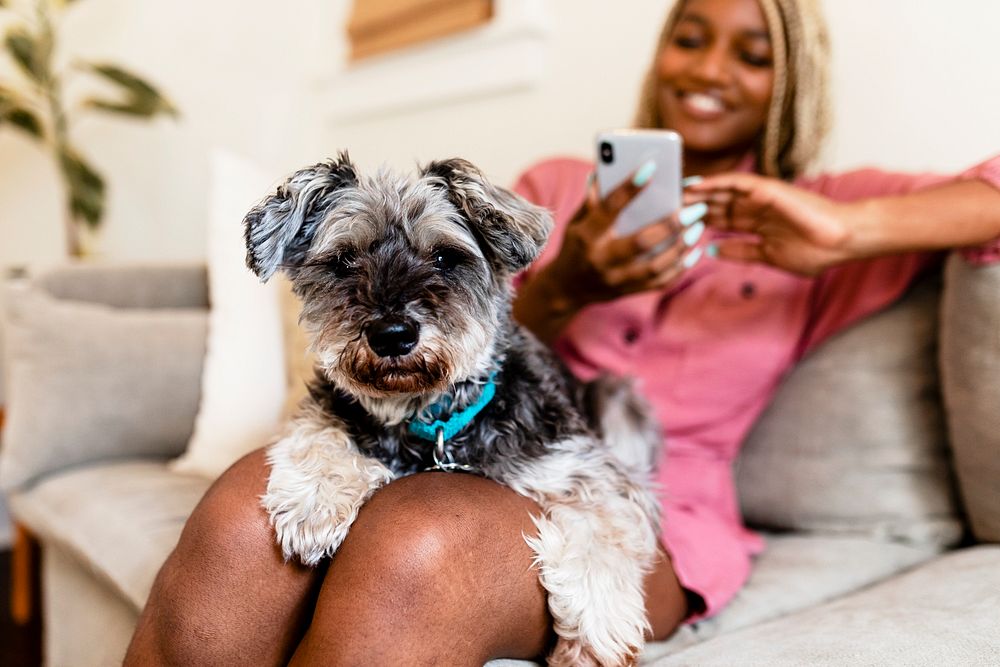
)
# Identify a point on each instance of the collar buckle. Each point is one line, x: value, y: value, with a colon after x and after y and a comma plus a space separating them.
x: 444, y: 461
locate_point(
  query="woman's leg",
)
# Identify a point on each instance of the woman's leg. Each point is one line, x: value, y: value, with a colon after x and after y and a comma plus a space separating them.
x: 225, y: 596
x: 436, y: 567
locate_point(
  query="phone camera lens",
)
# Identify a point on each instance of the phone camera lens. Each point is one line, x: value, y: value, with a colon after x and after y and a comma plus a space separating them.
x: 607, y: 152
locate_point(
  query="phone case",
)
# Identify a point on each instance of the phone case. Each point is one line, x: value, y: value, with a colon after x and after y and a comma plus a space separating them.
x: 630, y: 149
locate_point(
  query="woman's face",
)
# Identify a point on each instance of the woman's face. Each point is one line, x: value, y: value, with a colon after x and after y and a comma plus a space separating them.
x: 716, y: 75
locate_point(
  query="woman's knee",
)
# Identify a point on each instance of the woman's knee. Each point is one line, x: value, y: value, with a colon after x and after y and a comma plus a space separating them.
x: 209, y: 591
x: 437, y: 558
x: 422, y: 526
x: 229, y: 521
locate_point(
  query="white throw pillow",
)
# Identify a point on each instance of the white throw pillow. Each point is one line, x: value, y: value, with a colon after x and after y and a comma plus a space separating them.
x: 244, y: 381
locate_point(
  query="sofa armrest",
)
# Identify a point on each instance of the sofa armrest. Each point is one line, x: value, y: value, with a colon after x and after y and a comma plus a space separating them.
x: 100, y: 363
x: 970, y: 372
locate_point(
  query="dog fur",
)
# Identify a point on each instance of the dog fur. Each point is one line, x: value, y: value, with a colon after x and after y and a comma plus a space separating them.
x: 406, y: 291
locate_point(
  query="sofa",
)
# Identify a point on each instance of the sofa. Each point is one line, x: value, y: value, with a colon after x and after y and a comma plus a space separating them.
x: 874, y: 475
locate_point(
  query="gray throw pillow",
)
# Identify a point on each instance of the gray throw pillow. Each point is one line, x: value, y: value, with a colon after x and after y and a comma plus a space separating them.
x: 854, y: 442
x: 89, y: 382
x: 970, y: 372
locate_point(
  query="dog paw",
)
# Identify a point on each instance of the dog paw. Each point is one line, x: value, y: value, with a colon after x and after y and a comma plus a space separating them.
x: 315, y: 489
x: 308, y: 529
x: 574, y: 653
x: 592, y: 562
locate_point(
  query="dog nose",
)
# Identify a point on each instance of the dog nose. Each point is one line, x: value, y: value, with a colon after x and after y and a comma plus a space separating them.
x: 392, y: 337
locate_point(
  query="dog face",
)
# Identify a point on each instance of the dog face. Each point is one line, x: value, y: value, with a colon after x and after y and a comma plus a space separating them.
x: 404, y: 282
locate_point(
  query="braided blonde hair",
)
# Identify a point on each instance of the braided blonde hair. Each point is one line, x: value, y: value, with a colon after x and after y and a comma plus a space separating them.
x: 799, y: 116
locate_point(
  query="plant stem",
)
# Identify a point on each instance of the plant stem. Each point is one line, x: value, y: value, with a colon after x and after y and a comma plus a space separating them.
x: 51, y: 89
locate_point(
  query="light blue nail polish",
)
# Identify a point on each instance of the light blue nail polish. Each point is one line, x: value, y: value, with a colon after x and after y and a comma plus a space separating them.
x: 694, y: 233
x: 691, y: 180
x: 645, y: 173
x: 712, y: 250
x: 692, y: 258
x: 591, y: 177
x: 693, y: 213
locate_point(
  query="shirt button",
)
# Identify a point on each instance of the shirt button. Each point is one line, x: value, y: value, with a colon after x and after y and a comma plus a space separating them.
x: 748, y: 290
x: 631, y: 335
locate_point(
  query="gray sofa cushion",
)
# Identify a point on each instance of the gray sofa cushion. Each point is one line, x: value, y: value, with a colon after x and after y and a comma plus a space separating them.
x: 970, y: 369
x: 942, y: 613
x: 873, y: 460
x: 797, y: 572
x: 119, y: 520
x: 794, y: 573
x: 91, y: 382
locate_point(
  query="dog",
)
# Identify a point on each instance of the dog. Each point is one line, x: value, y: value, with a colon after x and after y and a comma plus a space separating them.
x: 406, y: 286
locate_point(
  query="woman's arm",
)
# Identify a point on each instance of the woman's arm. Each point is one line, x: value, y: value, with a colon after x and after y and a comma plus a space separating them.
x: 807, y: 233
x: 544, y: 305
x: 888, y: 221
x: 956, y: 215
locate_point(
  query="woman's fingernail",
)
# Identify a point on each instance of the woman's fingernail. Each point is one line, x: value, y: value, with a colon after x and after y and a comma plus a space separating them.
x: 693, y: 213
x: 692, y: 258
x: 691, y: 180
x: 693, y: 233
x: 712, y: 250
x: 645, y: 173
x: 591, y: 177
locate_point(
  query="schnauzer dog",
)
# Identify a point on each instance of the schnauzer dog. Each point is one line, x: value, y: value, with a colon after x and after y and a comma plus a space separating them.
x: 406, y: 289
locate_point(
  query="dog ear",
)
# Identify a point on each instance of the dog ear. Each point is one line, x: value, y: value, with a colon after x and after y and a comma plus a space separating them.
x: 280, y: 229
x: 510, y: 230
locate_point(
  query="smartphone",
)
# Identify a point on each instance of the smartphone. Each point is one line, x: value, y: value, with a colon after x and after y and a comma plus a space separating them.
x: 620, y: 153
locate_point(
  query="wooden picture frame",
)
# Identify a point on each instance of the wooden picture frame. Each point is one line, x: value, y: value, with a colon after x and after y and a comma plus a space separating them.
x: 381, y: 26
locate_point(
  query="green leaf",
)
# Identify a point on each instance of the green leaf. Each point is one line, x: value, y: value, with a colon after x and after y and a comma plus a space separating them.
x: 140, y: 108
x: 26, y: 51
x: 25, y: 120
x: 85, y: 187
x: 14, y: 111
x: 141, y: 98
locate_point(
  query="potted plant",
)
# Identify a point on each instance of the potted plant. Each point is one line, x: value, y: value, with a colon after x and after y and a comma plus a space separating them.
x: 36, y: 106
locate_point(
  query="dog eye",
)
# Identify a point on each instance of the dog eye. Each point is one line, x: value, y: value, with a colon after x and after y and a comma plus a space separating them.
x: 343, y: 262
x: 446, y: 259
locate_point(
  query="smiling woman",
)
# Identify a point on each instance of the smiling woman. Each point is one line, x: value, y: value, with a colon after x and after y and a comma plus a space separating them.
x: 727, y: 69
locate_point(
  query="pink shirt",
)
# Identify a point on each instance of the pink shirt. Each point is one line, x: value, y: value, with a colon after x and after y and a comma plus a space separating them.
x: 710, y: 351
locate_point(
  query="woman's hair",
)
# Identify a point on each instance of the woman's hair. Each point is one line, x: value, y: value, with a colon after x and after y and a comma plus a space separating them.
x: 799, y: 116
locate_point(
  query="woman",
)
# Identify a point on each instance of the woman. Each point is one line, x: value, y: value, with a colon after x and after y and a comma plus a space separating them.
x: 710, y: 340
x: 436, y: 564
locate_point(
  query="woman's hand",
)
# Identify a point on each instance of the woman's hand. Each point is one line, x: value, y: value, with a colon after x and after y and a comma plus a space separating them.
x: 596, y: 264
x: 777, y: 223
